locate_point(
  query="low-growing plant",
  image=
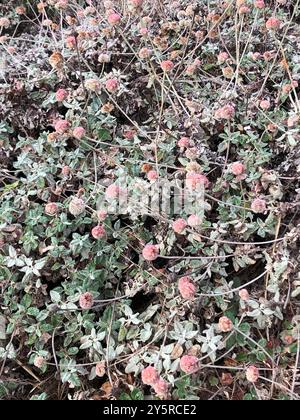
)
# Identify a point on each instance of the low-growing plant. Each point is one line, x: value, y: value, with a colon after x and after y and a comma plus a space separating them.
x: 112, y: 114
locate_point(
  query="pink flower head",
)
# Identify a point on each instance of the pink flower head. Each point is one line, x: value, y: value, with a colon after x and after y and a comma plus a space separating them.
x: 129, y: 134
x: 179, y: 226
x: 244, y: 295
x: 167, y: 65
x: 4, y: 22
x: 190, y: 70
x: 152, y: 175
x: 194, y: 220
x: 259, y: 205
x: 112, y: 192
x: 273, y: 23
x: 86, y: 301
x: 189, y: 364
x: 61, y: 126
x: 226, y: 112
x: 112, y: 85
x: 143, y: 31
x: 259, y: 4
x: 151, y: 252
x: 78, y: 132
x: 186, y: 288
x: 71, y: 42
x: 183, y: 142
x: 11, y: 49
x: 61, y: 95
x: 265, y: 104
x: 222, y: 57
x: 194, y: 180
x: 244, y: 10
x: 161, y: 388
x: 237, y: 168
x: 113, y: 19
x: 66, y: 170
x: 98, y: 232
x: 150, y: 375
x: 252, y: 374
x: 51, y: 209
x: 102, y: 215
x: 144, y: 53
x: 39, y: 362
x: 225, y: 324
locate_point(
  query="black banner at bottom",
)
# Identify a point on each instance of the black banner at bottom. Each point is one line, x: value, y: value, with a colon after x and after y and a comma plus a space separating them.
x: 149, y: 408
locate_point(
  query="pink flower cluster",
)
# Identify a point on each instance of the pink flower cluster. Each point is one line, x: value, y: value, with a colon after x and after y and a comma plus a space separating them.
x: 71, y: 42
x: 98, y: 232
x: 244, y: 295
x: 167, y: 65
x: 259, y: 205
x: 151, y: 252
x: 226, y: 112
x: 150, y: 376
x: 222, y: 57
x: 112, y: 192
x: 51, y: 209
x: 237, y: 168
x: 189, y: 364
x: 194, y: 220
x: 112, y: 85
x: 179, y: 226
x: 113, y: 18
x: 273, y: 23
x: 152, y: 175
x: 61, y: 126
x: 252, y: 374
x: 184, y: 142
x: 187, y: 288
x: 86, y: 301
x: 61, y: 95
x: 78, y: 132
x: 39, y: 362
x: 102, y: 215
x: 194, y: 180
x: 259, y: 4
x: 225, y: 324
x: 265, y: 104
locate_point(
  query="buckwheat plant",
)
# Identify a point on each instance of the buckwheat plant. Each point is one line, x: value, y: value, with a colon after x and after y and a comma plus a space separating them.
x: 149, y: 212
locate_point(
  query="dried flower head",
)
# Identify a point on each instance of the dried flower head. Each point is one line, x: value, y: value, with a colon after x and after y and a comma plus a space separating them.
x: 76, y: 206
x: 51, y: 209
